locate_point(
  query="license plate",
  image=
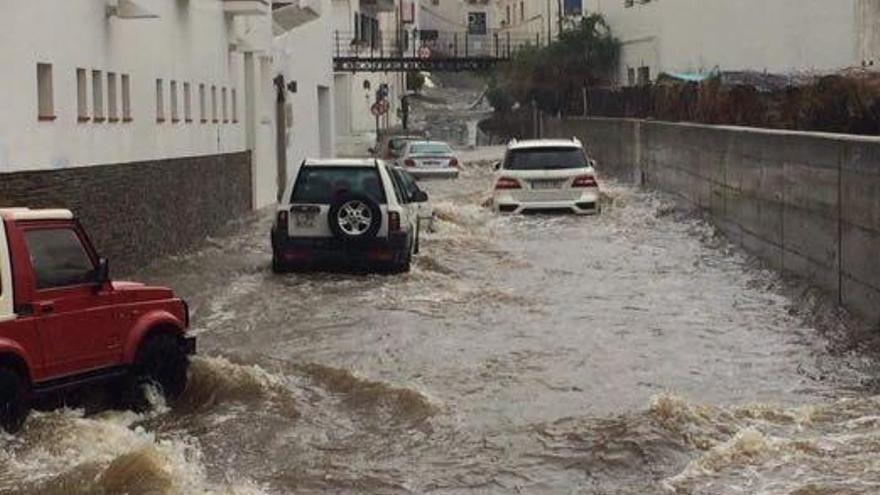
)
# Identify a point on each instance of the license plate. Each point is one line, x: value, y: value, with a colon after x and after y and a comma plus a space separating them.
x: 431, y: 163
x: 546, y: 184
x: 304, y: 220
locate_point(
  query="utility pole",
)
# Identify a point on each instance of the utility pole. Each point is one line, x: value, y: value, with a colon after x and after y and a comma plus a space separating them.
x: 560, y: 16
x: 549, y: 23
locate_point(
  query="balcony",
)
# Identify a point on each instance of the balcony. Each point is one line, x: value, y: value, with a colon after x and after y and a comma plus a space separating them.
x: 379, y: 5
x: 246, y: 7
x: 290, y: 14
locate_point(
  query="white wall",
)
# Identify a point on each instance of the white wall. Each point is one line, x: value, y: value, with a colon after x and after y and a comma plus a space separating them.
x: 189, y: 42
x: 305, y: 55
x: 698, y: 35
x: 868, y: 19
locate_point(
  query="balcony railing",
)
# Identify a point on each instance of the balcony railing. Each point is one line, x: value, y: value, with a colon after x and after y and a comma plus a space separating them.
x: 498, y: 44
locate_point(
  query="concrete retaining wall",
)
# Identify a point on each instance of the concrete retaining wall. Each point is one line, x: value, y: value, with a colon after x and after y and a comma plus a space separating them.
x: 806, y: 203
x: 136, y: 212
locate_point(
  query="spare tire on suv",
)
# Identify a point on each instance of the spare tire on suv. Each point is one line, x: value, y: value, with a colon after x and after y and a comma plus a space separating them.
x: 354, y: 218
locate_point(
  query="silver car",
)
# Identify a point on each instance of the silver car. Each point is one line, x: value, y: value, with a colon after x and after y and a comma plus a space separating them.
x: 429, y: 159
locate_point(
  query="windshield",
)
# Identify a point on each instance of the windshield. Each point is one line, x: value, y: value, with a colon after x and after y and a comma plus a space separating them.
x: 395, y: 145
x: 434, y: 149
x: 323, y: 185
x: 546, y: 159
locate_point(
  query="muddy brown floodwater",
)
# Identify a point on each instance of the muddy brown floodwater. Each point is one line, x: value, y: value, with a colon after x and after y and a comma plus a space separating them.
x: 630, y: 353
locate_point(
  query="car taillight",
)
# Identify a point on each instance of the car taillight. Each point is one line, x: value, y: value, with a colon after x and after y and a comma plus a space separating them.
x: 393, y: 221
x: 453, y: 162
x: 409, y: 162
x: 507, y: 183
x: 585, y: 181
x: 282, y: 220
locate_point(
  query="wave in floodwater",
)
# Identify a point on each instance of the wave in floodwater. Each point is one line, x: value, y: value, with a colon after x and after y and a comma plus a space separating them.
x: 120, y: 452
x: 681, y: 448
x: 401, y: 404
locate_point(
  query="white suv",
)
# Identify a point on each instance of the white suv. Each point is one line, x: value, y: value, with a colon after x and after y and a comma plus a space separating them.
x: 546, y: 175
x: 346, y: 212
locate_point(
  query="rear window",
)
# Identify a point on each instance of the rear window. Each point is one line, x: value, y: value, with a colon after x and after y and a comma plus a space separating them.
x: 546, y: 159
x: 397, y: 144
x: 323, y: 185
x: 430, y: 149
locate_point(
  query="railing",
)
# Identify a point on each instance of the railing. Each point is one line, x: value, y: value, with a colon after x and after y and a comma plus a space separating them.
x: 497, y: 44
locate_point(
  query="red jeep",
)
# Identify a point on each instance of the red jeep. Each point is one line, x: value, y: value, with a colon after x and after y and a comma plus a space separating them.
x: 64, y: 323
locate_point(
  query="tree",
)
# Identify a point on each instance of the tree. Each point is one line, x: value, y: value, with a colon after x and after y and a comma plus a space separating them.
x: 586, y: 54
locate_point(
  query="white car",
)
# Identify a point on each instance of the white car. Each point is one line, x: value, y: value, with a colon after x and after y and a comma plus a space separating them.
x: 546, y: 175
x: 425, y: 159
x: 342, y: 212
x: 424, y: 209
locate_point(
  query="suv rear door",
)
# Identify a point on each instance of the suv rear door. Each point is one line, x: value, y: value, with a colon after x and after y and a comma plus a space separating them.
x: 74, y: 317
x: 317, y: 187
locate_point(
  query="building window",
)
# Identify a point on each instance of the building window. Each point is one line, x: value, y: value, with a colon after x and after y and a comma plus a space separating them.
x: 112, y: 98
x: 477, y: 23
x: 187, y: 102
x: 234, y: 106
x: 214, y: 104
x: 126, y: 98
x: 82, y: 98
x: 203, y: 116
x: 225, y: 114
x: 45, y: 93
x: 160, y: 101
x: 97, y: 96
x: 175, y: 116
x: 507, y: 15
x: 630, y: 76
x: 573, y: 7
x: 522, y: 11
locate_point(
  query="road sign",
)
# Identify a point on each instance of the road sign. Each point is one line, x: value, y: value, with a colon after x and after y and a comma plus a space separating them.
x: 380, y: 108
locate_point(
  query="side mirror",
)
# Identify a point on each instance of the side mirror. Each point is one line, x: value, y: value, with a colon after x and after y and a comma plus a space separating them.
x: 102, y: 273
x: 497, y: 166
x: 419, y: 196
x: 592, y: 163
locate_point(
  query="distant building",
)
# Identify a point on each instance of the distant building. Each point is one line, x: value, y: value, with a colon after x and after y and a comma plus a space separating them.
x: 460, y: 27
x: 365, y: 28
x: 776, y: 36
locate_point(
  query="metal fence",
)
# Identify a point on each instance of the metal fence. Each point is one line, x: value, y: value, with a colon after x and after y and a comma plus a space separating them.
x: 498, y: 44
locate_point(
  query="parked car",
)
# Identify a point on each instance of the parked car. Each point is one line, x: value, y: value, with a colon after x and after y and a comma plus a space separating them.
x: 345, y: 212
x: 412, y: 190
x: 64, y: 323
x: 546, y: 175
x: 429, y: 159
x: 391, y: 147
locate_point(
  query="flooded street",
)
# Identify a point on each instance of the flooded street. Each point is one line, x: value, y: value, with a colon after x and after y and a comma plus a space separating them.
x: 629, y: 353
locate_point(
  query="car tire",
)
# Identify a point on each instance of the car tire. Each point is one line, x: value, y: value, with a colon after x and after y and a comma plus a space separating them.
x: 405, y: 263
x: 161, y: 361
x: 14, y: 407
x: 362, y: 203
x: 279, y: 266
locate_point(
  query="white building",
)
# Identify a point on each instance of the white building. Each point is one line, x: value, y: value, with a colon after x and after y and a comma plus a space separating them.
x: 368, y: 28
x: 701, y: 35
x: 89, y: 82
x: 463, y: 27
x: 303, y: 64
